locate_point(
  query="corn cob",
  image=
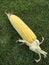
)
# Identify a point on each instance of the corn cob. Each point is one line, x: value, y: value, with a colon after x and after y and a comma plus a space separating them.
x: 27, y: 35
x: 25, y: 32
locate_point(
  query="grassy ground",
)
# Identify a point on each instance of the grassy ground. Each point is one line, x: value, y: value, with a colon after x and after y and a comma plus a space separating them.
x: 35, y: 13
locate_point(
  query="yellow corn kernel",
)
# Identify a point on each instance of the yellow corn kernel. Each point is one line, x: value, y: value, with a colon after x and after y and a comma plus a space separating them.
x: 24, y: 31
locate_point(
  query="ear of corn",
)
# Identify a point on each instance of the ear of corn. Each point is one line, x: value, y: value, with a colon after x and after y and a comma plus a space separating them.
x: 24, y: 31
x: 28, y: 36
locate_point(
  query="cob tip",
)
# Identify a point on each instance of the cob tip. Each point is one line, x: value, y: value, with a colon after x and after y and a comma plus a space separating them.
x: 8, y: 14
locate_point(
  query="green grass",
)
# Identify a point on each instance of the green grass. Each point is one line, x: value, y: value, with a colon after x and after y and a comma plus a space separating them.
x: 35, y: 13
